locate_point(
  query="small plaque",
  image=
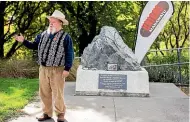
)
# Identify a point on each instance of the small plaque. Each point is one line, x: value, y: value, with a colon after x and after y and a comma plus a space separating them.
x: 112, y: 81
x: 112, y: 67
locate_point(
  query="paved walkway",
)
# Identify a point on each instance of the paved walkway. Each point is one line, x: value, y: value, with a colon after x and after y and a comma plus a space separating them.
x: 166, y: 104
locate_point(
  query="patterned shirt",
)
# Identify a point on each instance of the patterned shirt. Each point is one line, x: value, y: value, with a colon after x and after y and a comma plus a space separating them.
x: 53, y: 50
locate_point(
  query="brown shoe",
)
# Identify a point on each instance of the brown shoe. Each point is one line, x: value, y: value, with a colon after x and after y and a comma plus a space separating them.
x: 61, y: 117
x: 43, y: 117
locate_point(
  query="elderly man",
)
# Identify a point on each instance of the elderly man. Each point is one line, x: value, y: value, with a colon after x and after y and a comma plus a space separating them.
x: 55, y: 57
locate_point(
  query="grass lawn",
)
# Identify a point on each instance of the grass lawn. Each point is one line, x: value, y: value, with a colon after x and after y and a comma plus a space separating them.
x: 15, y: 94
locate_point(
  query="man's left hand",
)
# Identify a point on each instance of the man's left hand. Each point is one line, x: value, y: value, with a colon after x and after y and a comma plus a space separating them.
x: 65, y: 73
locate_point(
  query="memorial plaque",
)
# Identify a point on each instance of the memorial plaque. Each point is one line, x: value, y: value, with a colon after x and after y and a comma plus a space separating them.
x: 112, y: 67
x: 112, y: 81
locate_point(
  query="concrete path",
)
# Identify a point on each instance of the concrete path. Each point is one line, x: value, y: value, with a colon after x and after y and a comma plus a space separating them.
x: 166, y: 103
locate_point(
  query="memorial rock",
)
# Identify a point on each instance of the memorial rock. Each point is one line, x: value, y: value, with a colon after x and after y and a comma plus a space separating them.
x: 109, y: 48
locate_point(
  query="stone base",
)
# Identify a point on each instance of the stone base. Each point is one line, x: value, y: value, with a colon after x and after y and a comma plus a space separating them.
x: 87, y: 82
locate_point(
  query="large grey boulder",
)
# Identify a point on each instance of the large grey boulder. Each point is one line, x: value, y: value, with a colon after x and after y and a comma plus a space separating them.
x: 108, y: 47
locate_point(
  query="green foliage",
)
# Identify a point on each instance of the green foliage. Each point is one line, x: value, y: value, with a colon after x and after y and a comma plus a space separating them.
x: 176, y: 32
x: 169, y: 74
x: 82, y: 15
x: 28, y: 18
x: 14, y: 95
x: 124, y: 17
x: 86, y: 19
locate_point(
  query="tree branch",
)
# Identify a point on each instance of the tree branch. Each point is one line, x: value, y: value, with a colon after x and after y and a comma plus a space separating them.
x: 166, y: 43
x: 11, y: 20
x: 12, y: 50
x: 186, y: 26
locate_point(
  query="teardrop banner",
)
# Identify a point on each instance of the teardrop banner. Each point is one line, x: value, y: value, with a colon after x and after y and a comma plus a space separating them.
x: 152, y: 20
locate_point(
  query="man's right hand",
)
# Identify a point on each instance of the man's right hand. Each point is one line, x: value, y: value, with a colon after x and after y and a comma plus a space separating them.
x: 19, y: 38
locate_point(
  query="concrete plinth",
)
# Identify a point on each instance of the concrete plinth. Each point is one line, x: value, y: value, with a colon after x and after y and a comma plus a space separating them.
x: 88, y: 83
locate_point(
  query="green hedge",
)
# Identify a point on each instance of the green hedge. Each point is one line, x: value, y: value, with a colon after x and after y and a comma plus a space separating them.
x: 169, y: 74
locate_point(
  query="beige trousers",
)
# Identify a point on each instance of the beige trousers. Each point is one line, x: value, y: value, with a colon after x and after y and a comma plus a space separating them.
x: 51, y: 86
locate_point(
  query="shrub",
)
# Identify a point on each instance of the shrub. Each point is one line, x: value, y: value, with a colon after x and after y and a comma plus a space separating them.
x: 28, y: 69
x: 18, y: 68
x: 169, y: 74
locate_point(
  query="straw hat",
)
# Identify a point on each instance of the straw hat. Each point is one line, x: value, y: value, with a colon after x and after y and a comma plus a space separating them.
x: 59, y: 15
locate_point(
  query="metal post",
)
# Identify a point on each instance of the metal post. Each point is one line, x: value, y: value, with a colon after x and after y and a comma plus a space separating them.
x: 179, y: 65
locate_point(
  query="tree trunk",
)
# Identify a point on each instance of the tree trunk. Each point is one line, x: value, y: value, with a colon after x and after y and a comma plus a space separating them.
x: 2, y: 41
x: 83, y: 38
x: 12, y: 50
